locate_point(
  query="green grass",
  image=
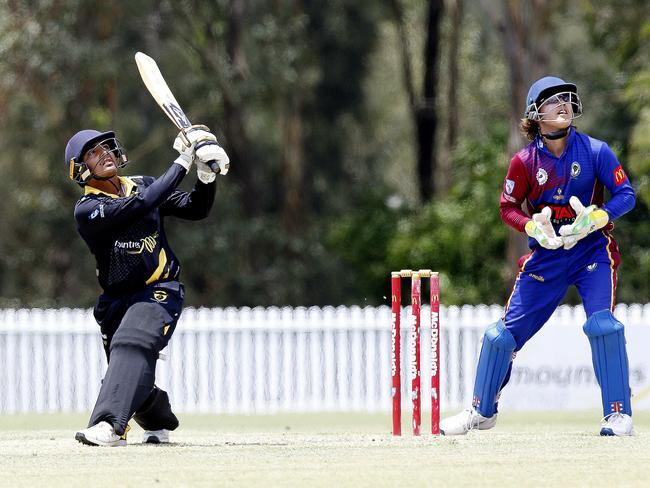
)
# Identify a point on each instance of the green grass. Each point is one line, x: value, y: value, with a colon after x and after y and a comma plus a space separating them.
x: 357, y: 450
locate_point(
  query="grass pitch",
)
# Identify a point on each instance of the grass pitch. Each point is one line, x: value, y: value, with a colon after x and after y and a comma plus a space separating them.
x: 560, y: 449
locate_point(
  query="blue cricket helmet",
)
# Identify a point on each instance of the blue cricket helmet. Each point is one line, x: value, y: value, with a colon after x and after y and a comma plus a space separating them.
x: 82, y: 142
x: 546, y: 87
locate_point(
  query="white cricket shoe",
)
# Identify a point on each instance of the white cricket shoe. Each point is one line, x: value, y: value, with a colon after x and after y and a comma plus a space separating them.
x: 619, y: 424
x: 156, y: 436
x: 462, y: 423
x: 101, y: 434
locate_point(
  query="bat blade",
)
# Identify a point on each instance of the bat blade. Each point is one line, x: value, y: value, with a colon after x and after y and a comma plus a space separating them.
x: 157, y: 86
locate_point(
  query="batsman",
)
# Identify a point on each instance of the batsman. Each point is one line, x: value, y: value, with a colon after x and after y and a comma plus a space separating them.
x: 121, y: 219
x: 561, y: 178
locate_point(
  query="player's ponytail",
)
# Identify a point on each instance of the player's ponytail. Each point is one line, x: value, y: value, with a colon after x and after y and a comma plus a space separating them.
x: 529, y: 128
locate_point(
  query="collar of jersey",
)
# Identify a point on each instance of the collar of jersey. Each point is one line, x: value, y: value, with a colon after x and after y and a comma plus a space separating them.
x: 542, y: 147
x: 127, y: 182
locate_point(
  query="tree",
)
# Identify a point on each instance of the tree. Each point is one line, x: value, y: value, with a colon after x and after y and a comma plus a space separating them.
x: 525, y: 30
x: 423, y: 108
x: 444, y: 179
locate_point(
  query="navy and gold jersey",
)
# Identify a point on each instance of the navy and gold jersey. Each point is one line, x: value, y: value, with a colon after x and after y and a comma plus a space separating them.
x: 126, y: 234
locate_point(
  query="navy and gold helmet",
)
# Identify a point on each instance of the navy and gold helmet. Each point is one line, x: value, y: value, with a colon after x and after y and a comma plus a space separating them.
x: 85, y: 140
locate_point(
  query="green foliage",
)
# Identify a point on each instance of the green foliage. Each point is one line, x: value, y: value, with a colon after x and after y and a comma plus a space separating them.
x: 361, y: 239
x: 333, y: 69
x: 462, y: 237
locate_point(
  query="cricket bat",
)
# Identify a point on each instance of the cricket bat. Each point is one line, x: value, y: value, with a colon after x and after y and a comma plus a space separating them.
x: 159, y: 90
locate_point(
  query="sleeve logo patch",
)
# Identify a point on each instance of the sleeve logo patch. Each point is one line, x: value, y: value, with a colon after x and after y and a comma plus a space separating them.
x: 98, y: 211
x: 619, y: 175
x: 510, y: 186
x: 541, y: 176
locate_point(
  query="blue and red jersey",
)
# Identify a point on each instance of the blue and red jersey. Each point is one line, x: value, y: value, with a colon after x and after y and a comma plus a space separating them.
x: 540, y: 179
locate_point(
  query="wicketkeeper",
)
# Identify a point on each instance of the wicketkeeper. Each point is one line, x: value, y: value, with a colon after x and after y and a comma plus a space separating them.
x: 561, y: 177
x: 121, y: 220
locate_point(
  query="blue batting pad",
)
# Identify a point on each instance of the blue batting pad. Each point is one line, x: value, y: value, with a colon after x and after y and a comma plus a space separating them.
x: 496, y: 355
x: 609, y: 356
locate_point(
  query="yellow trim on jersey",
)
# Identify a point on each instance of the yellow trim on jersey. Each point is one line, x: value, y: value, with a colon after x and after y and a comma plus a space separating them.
x: 611, y: 267
x: 127, y: 183
x: 162, y: 261
x: 514, y: 287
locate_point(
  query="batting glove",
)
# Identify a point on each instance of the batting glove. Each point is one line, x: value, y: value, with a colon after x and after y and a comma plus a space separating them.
x: 211, y: 151
x: 207, y: 149
x: 588, y: 219
x: 541, y: 229
x: 185, y: 150
x: 188, y: 140
x: 204, y: 172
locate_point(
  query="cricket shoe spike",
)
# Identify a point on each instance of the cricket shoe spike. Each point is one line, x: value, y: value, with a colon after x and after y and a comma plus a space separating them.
x: 618, y: 424
x: 156, y: 436
x: 468, y: 419
x: 101, y: 434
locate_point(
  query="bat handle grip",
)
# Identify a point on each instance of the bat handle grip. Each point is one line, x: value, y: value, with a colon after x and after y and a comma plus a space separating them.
x: 214, y: 166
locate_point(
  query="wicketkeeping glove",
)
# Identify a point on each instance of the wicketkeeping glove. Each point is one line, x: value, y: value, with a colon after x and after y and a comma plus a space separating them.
x: 541, y: 229
x: 588, y: 219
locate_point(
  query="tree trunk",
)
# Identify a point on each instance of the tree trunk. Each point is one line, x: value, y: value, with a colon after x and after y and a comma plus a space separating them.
x: 423, y: 110
x: 525, y: 32
x: 443, y: 178
x: 238, y: 144
x: 293, y: 157
x: 426, y: 115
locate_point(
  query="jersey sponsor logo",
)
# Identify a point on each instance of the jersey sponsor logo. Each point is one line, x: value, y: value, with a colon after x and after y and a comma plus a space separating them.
x: 592, y: 267
x: 510, y: 186
x: 575, y: 169
x: 561, y: 214
x: 536, y: 277
x: 541, y: 176
x: 147, y: 244
x: 510, y: 199
x: 619, y: 175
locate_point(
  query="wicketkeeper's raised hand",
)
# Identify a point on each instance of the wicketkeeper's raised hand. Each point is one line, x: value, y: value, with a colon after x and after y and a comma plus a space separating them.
x: 541, y: 229
x: 588, y: 219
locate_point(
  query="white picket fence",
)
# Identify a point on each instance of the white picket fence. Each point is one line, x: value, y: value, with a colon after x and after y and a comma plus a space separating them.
x: 258, y: 360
